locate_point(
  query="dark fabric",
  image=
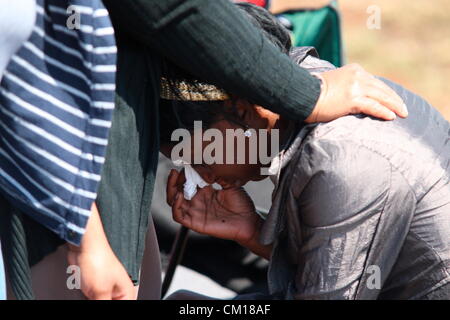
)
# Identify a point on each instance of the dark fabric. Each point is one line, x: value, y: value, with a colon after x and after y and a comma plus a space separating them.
x: 217, y: 44
x: 38, y: 187
x: 15, y: 250
x: 441, y: 293
x: 25, y: 243
x: 54, y: 119
x: 125, y: 192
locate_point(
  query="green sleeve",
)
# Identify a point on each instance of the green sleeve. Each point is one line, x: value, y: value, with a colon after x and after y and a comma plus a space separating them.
x: 216, y: 43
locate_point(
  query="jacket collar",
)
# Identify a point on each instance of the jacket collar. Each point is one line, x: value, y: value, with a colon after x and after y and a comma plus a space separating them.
x: 280, y: 167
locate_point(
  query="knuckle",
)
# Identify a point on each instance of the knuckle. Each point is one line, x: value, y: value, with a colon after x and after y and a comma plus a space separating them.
x: 377, y: 108
x: 356, y: 91
x: 356, y: 67
x: 102, y: 293
x: 355, y: 109
x: 176, y: 217
x: 360, y: 73
x: 95, y: 292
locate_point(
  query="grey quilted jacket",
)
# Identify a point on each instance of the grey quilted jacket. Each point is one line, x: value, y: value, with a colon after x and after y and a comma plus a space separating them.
x: 361, y: 207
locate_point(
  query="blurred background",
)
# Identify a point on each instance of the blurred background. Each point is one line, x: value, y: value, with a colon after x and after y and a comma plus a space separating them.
x: 412, y: 47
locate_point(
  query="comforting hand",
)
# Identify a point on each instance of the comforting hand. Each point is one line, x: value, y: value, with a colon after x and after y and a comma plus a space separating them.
x: 227, y: 214
x: 102, y: 275
x: 352, y: 90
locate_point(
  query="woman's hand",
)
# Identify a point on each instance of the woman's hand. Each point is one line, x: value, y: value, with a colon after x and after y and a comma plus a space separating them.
x: 352, y: 90
x: 102, y: 275
x: 227, y: 214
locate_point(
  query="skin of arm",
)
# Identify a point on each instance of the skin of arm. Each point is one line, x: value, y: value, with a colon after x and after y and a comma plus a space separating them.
x: 94, y: 236
x: 255, y: 246
x: 102, y: 275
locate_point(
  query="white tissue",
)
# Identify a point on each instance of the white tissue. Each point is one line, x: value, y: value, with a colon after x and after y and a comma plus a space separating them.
x: 193, y: 180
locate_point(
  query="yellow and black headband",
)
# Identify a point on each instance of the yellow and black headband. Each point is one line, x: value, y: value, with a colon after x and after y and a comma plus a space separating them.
x: 191, y: 91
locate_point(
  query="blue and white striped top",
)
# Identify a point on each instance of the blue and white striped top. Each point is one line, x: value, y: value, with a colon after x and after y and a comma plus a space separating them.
x: 56, y: 105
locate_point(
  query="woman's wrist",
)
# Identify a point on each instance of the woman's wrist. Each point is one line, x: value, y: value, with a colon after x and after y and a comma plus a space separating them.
x: 94, y: 237
x: 254, y: 245
x: 312, y: 118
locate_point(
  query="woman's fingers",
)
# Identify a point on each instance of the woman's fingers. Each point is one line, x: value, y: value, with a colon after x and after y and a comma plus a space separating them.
x: 124, y: 290
x: 181, y: 180
x: 171, y: 189
x: 350, y: 90
x: 172, y: 186
x: 381, y: 92
x: 100, y: 295
x: 374, y: 108
x: 180, y: 210
x: 188, y: 214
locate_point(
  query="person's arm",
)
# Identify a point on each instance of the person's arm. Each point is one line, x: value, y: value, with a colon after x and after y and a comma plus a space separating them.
x: 216, y: 43
x: 355, y: 212
x: 255, y: 245
x: 103, y: 277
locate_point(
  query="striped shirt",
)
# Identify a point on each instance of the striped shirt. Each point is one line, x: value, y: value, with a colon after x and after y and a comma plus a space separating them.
x: 56, y: 105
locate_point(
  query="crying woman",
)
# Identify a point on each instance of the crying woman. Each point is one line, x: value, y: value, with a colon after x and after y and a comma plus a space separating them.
x: 360, y: 209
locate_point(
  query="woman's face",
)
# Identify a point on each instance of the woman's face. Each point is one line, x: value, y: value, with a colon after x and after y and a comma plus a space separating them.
x: 232, y: 174
x: 238, y: 173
